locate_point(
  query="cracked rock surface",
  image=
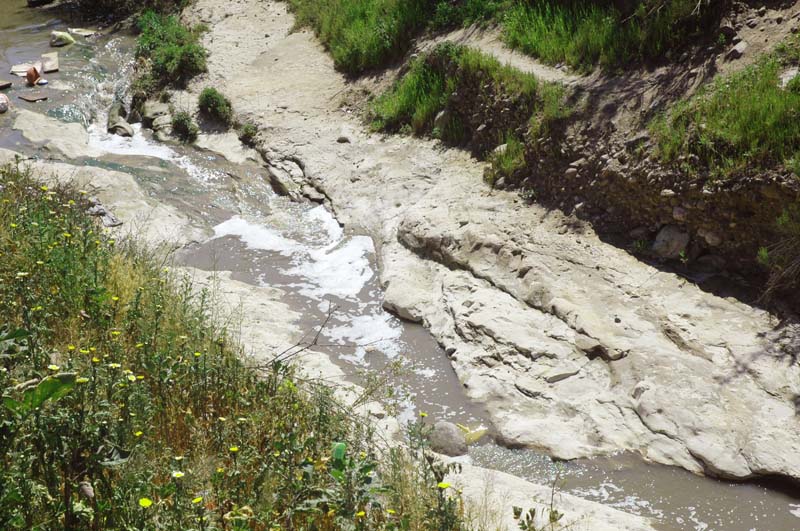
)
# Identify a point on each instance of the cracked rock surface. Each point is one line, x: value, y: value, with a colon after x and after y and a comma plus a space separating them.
x: 574, y: 346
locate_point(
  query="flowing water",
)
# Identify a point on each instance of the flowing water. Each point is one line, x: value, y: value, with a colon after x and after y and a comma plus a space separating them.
x: 325, y: 270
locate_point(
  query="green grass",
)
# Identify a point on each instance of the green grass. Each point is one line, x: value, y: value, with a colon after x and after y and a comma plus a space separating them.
x: 583, y: 34
x: 367, y: 34
x: 125, y: 407
x: 173, y: 51
x: 362, y: 34
x: 417, y: 98
x: 741, y: 123
x: 214, y: 105
x: 507, y: 161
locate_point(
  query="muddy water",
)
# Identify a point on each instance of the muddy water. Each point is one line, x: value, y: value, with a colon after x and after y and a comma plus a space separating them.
x: 265, y: 239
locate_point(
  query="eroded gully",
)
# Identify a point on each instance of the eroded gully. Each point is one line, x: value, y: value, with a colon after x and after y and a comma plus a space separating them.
x: 329, y: 272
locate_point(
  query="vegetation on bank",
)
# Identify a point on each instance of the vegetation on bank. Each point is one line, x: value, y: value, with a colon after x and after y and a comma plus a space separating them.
x: 215, y: 106
x: 184, y: 128
x: 362, y: 34
x: 124, y: 407
x: 170, y: 52
x: 739, y: 124
x: 444, y: 89
x: 366, y: 34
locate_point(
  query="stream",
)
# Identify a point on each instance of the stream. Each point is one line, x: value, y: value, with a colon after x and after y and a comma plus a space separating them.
x: 325, y: 269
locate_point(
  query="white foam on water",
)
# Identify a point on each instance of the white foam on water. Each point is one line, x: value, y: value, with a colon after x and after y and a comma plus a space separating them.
x: 339, y: 270
x: 137, y: 145
x: 328, y: 223
x: 370, y: 332
x: 256, y: 236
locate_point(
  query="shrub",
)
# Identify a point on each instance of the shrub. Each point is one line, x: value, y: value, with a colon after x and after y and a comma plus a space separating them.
x: 216, y: 106
x: 139, y: 412
x: 183, y: 127
x: 173, y: 51
x: 248, y: 134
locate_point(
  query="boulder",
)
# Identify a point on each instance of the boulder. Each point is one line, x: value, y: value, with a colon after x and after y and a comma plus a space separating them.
x: 447, y: 439
x: 61, y: 38
x: 153, y: 110
x: 670, y: 242
x: 117, y: 124
x: 4, y: 104
x: 737, y: 51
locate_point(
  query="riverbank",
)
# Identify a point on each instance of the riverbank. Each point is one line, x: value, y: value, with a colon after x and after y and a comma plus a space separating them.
x: 566, y: 309
x: 419, y: 202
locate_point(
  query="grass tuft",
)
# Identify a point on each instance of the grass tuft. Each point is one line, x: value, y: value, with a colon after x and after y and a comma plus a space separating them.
x: 362, y: 34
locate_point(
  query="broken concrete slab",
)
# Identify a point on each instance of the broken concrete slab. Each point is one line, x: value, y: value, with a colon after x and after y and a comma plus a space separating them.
x: 33, y: 97
x: 21, y: 69
x: 50, y: 62
x: 5, y: 84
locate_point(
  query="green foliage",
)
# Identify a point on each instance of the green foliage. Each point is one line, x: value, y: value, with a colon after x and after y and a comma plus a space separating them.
x: 583, y: 34
x: 450, y: 13
x: 415, y: 100
x: 214, y: 105
x: 362, y: 34
x: 136, y: 411
x: 183, y: 127
x: 738, y: 123
x: 173, y: 51
x: 419, y: 96
x: 248, y: 134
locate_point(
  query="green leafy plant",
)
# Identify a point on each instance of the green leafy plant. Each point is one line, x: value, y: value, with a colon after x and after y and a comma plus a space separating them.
x: 173, y: 52
x: 183, y: 127
x: 248, y: 134
x: 214, y: 105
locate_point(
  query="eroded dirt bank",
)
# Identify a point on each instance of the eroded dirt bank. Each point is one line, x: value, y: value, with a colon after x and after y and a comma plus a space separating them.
x: 574, y: 346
